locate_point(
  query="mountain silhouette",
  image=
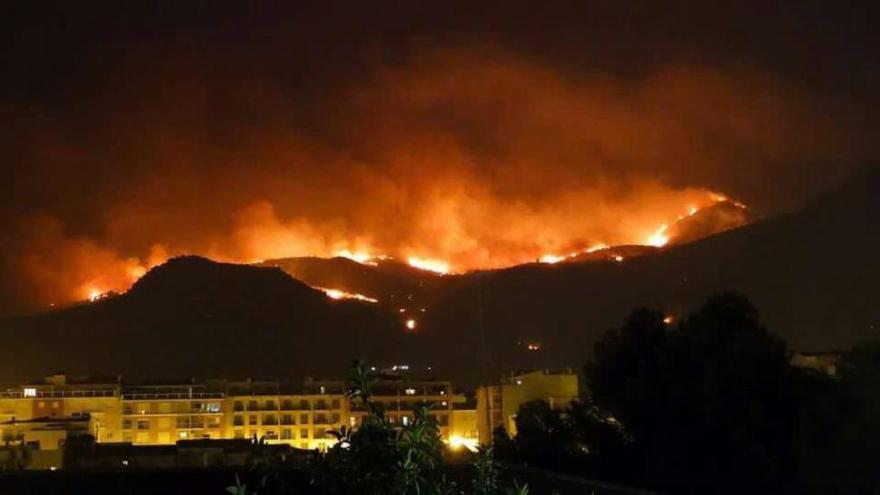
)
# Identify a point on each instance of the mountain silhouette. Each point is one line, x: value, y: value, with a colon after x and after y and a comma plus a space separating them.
x: 812, y: 274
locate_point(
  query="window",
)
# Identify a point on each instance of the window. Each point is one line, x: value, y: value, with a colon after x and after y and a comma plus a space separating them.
x: 213, y: 407
x: 237, y: 420
x: 287, y: 405
x: 335, y: 403
x: 286, y: 434
x: 270, y: 404
x: 352, y: 421
x: 143, y: 424
x: 405, y: 420
x: 252, y: 419
x: 239, y: 434
x: 303, y: 419
x: 304, y: 433
x: 321, y: 404
x: 126, y: 424
x: 29, y: 392
x: 287, y: 419
x: 269, y: 419
x: 238, y: 406
x: 320, y: 419
x: 271, y: 435
x: 334, y: 418
x: 252, y: 405
x: 320, y: 433
x: 304, y: 404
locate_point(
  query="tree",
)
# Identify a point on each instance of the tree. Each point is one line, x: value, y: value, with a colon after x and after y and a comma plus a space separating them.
x: 709, y: 403
x: 840, y: 425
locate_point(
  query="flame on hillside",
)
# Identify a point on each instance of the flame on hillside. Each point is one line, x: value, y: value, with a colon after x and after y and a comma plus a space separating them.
x: 124, y: 272
x: 341, y: 294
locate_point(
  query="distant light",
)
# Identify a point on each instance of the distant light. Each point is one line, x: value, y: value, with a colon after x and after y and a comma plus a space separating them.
x: 323, y: 389
x: 183, y: 434
x: 405, y: 420
x: 30, y: 392
x: 125, y: 462
x: 52, y: 468
x: 444, y: 403
x: 519, y: 381
x: 668, y: 320
x: 618, y: 258
x: 411, y: 324
x: 410, y: 391
x: 533, y: 346
x: 456, y: 442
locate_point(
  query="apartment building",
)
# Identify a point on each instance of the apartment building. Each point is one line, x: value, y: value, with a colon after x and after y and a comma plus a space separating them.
x: 497, y: 405
x: 162, y: 414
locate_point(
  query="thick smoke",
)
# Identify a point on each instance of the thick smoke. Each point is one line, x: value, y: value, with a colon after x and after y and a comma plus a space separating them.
x: 478, y: 157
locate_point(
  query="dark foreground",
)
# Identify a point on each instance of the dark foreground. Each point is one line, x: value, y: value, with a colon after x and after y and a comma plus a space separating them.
x: 215, y: 481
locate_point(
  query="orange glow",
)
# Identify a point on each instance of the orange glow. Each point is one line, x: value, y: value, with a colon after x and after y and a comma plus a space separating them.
x: 341, y: 294
x: 435, y: 266
x: 659, y: 237
x: 552, y: 258
x: 668, y: 320
x: 360, y: 257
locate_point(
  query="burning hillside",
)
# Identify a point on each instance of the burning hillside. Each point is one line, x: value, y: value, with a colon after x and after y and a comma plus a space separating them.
x: 446, y: 163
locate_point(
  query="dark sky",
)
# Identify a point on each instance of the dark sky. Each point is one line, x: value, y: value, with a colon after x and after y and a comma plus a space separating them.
x: 458, y: 130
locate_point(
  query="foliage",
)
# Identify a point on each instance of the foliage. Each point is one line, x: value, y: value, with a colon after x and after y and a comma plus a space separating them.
x: 381, y: 458
x: 17, y: 454
x: 486, y: 480
x: 709, y: 404
x: 840, y: 425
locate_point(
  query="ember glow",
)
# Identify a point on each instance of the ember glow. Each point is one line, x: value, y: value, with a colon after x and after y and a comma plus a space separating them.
x: 436, y: 266
x: 341, y: 294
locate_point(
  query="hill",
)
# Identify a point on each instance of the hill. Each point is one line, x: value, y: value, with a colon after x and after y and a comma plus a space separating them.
x: 192, y: 317
x: 812, y: 273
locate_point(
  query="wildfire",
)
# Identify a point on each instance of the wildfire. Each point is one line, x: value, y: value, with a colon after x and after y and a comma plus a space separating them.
x: 435, y: 266
x: 659, y: 237
x: 360, y: 257
x: 553, y: 259
x: 341, y: 294
x: 95, y: 295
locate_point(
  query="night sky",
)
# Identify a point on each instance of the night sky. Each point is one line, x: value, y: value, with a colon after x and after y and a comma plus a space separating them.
x: 478, y: 134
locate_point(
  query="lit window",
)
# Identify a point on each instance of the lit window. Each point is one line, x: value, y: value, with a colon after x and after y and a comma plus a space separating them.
x: 410, y: 391
x: 213, y: 407
x: 405, y: 420
x: 30, y: 392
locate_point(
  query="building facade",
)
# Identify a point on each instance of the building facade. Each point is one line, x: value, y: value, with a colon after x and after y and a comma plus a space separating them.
x: 164, y: 414
x: 497, y: 405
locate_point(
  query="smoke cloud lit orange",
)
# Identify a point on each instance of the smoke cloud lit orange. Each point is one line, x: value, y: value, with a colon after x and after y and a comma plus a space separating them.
x: 467, y: 158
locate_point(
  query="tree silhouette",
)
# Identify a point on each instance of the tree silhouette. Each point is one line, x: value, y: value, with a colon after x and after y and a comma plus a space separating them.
x: 709, y: 403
